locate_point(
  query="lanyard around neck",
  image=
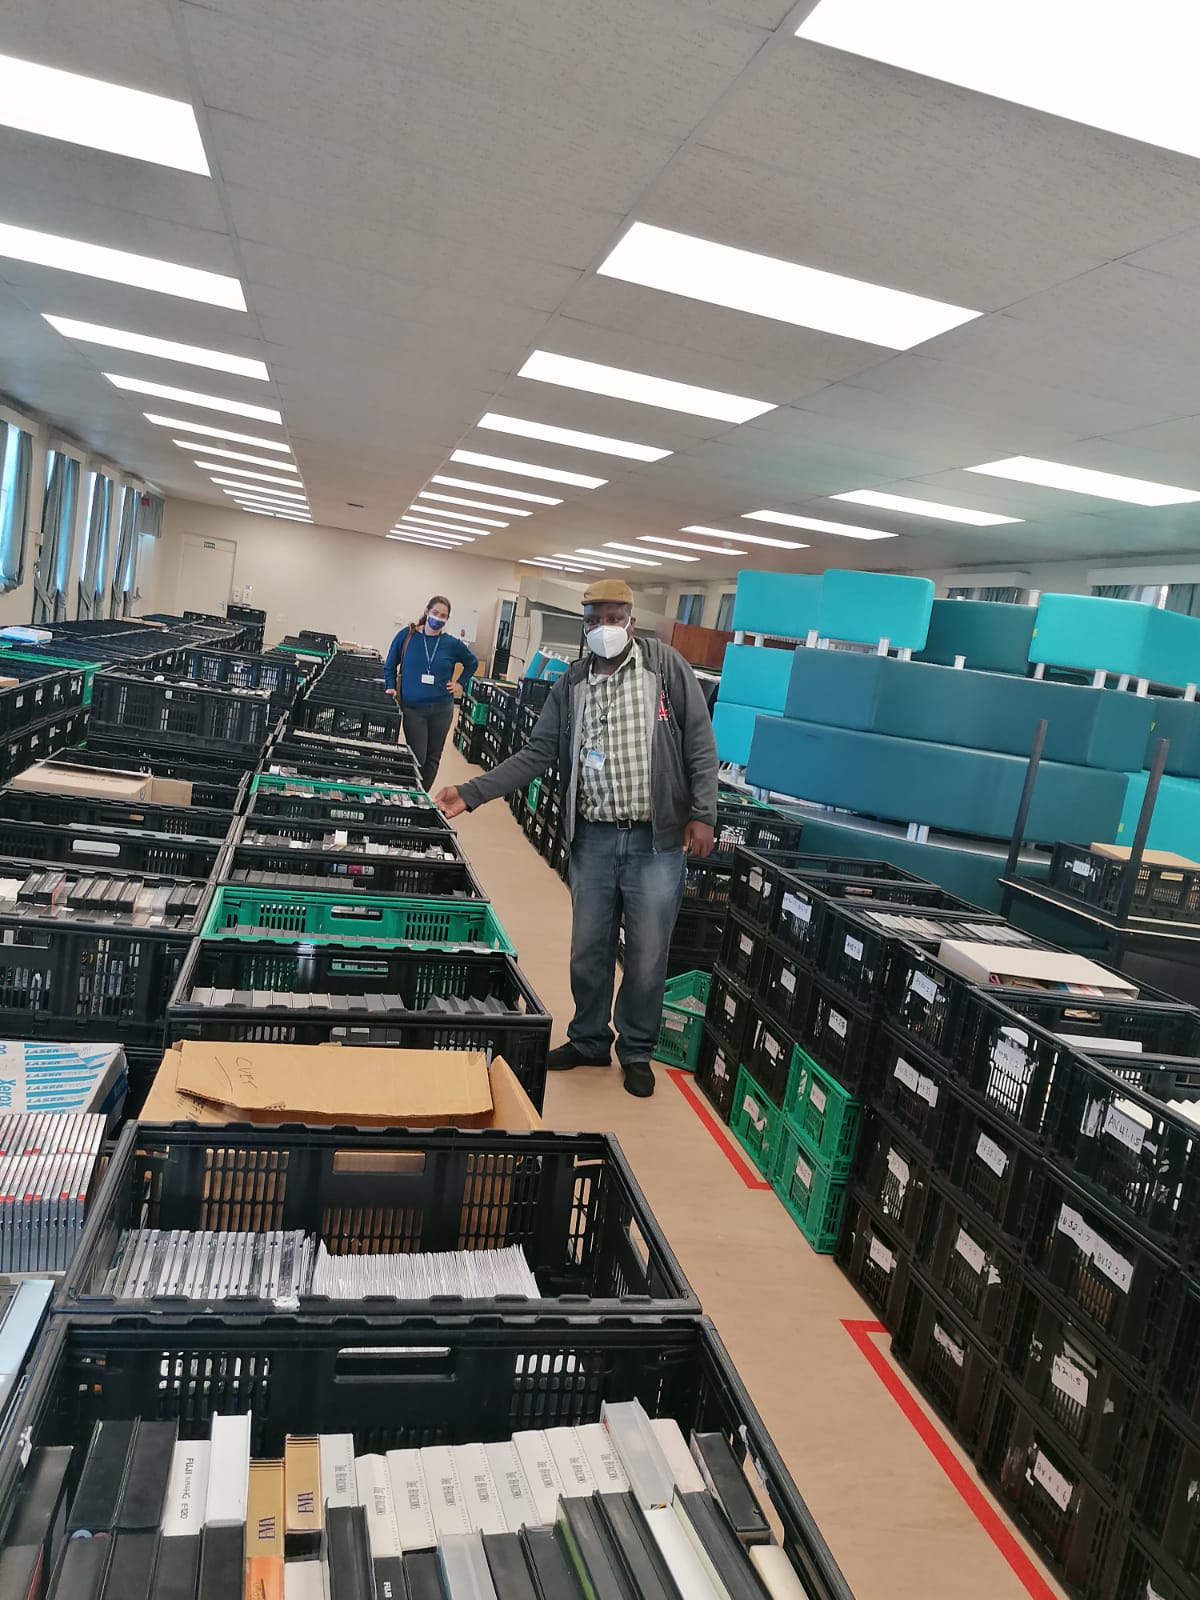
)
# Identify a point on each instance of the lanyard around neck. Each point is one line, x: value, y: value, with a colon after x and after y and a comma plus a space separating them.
x: 430, y: 659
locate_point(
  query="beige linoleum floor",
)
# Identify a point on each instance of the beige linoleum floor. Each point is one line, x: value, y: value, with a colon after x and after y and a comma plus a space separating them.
x: 895, y: 1522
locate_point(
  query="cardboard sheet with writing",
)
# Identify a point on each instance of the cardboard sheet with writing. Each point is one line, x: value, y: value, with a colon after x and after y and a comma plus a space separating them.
x: 216, y: 1081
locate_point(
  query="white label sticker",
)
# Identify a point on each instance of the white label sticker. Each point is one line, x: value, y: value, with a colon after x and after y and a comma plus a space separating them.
x: 1116, y: 1267
x: 991, y: 1155
x: 750, y: 1107
x: 854, y: 948
x: 804, y: 1172
x: 972, y: 1254
x: 955, y: 1351
x: 1073, y: 1225
x: 730, y: 1006
x: 755, y: 881
x: 772, y: 1046
x: 1083, y: 868
x: 788, y: 979
x: 746, y: 944
x: 927, y: 1090
x: 1059, y: 1489
x: 920, y: 984
x: 1010, y: 1058
x: 908, y: 1076
x: 838, y: 1023
x: 673, y: 1023
x: 1069, y: 1379
x: 881, y: 1255
x: 793, y: 906
x: 817, y: 1097
x: 1125, y: 1130
x: 720, y: 1070
x: 899, y: 1170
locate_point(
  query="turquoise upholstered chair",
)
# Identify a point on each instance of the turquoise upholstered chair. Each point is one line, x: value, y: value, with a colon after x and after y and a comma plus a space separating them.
x: 1120, y: 636
x: 863, y: 607
x: 785, y: 605
x: 991, y: 635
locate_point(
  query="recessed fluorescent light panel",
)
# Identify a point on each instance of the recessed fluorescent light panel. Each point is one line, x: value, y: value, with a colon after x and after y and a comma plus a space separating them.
x: 1134, y: 80
x: 246, y: 472
x: 494, y: 488
x: 682, y: 544
x: 459, y: 516
x: 1082, y: 480
x: 142, y: 344
x: 924, y: 508
x: 612, y: 545
x: 215, y: 433
x: 598, y: 442
x: 436, y: 533
x: 189, y: 397
x: 607, y: 565
x: 120, y: 266
x: 268, y: 496
x: 430, y: 543
x: 720, y: 275
x: 233, y: 455
x: 631, y: 561
x: 746, y: 538
x: 275, y: 494
x: 621, y: 384
x: 442, y: 527
x: 477, y: 505
x: 843, y: 530
x: 100, y: 115
x: 292, y: 516
x: 525, y: 469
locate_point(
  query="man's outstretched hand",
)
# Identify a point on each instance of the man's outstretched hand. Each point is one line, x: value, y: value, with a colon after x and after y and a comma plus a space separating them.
x: 449, y: 802
x: 699, y: 840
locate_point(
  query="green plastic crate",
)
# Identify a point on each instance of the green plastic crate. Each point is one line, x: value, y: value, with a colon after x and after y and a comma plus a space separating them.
x: 477, y: 711
x: 754, y: 1121
x: 681, y: 1029
x: 277, y: 783
x: 241, y: 911
x: 533, y: 794
x: 825, y: 1118
x: 809, y: 1192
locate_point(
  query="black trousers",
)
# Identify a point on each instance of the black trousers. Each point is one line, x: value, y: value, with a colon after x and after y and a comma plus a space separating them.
x: 425, y: 729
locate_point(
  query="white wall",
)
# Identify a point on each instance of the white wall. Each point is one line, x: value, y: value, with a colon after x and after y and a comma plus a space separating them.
x: 358, y: 586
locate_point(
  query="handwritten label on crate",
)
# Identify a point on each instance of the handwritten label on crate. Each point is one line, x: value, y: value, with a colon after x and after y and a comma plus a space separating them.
x: 972, y: 1254
x: 1124, y: 1129
x: 854, y: 948
x: 719, y: 1069
x: 838, y: 1023
x: 817, y: 1097
x: 908, y: 1076
x: 750, y: 1107
x: 787, y: 979
x: 923, y: 985
x: 1116, y: 1267
x: 674, y: 1023
x: 755, y: 881
x: 793, y: 906
x: 944, y: 1342
x: 771, y: 1045
x: 1059, y: 1488
x: 881, y: 1255
x: 990, y: 1153
x: 927, y: 1090
x: 899, y: 1170
x: 1010, y: 1059
x: 730, y: 1006
x: 746, y: 944
x: 1069, y: 1379
x: 803, y: 1172
x: 1083, y: 869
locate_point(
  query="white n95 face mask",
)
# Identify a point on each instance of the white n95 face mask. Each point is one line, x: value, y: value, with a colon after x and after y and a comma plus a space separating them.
x: 607, y: 640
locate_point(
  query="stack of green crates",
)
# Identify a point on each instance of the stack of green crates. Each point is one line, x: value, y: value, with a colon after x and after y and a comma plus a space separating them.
x: 682, y: 1024
x: 814, y: 1150
x: 755, y: 1122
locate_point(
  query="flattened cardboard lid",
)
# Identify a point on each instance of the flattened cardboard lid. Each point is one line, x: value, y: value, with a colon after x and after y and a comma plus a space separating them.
x: 332, y: 1081
x: 1152, y: 858
x: 978, y: 961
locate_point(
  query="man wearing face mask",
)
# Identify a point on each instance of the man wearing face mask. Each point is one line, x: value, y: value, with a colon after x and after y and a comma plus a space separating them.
x: 633, y: 740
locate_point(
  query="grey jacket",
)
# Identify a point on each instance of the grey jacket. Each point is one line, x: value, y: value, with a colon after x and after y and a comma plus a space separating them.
x: 683, y: 751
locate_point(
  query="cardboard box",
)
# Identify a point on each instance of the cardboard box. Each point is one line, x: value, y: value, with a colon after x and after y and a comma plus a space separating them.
x: 94, y: 783
x: 1152, y: 858
x: 1016, y: 966
x: 211, y: 1082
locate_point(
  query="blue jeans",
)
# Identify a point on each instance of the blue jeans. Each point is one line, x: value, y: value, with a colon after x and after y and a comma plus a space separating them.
x: 617, y: 872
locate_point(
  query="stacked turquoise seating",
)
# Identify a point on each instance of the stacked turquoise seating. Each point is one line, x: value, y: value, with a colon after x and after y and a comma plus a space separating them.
x: 783, y: 605
x: 990, y: 635
x: 1118, y: 636
x: 1175, y: 824
x: 753, y: 679
x: 863, y: 607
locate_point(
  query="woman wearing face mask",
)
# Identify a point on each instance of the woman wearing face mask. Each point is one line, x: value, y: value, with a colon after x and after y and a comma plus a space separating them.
x: 418, y: 673
x: 630, y: 733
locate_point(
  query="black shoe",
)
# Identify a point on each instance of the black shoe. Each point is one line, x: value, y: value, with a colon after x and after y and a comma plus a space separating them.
x: 639, y: 1079
x: 566, y: 1057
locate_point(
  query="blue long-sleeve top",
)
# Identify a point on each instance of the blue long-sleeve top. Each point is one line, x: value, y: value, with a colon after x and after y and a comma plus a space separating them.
x: 427, y: 655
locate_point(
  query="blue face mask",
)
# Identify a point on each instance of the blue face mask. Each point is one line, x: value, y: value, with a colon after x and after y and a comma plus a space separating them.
x: 436, y: 623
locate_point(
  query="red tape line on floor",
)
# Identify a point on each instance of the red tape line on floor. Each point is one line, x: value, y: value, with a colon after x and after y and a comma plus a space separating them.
x: 989, y: 1519
x: 683, y: 1082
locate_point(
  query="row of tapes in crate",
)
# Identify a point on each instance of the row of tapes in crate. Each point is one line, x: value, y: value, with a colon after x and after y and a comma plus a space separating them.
x: 1029, y: 1164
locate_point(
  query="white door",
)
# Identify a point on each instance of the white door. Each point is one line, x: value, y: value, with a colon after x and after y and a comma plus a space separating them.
x: 205, y: 574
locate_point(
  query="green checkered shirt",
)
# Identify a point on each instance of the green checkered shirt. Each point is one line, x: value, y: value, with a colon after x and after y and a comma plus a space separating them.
x: 614, y: 721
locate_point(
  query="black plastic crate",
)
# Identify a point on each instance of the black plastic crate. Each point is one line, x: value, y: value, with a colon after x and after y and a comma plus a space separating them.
x: 1179, y: 1374
x: 346, y: 719
x: 1170, y: 894
x: 215, y: 786
x: 430, y: 1380
x: 767, y: 1052
x: 761, y: 828
x: 893, y: 1176
x: 569, y: 1200
x: 383, y: 760
x: 289, y: 992
x: 784, y: 988
x: 1076, y: 1383
x: 705, y: 882
x: 1113, y: 1129
x: 229, y: 668
x: 716, y: 1074
x: 129, y: 850
x: 915, y: 1093
x: 78, y: 811
x: 44, y: 692
x: 729, y: 1011
x: 743, y: 950
x: 838, y: 1037
x: 278, y: 866
x: 989, y: 1162
x: 855, y: 942
x: 970, y: 1264
x: 696, y: 942
x: 1010, y: 1065
x: 950, y: 1367
x: 1147, y: 1574
x: 801, y: 920
x: 1166, y: 1503
x: 354, y: 838
x: 1072, y: 1520
x: 1121, y: 1287
x: 371, y: 808
x: 178, y: 711
x: 38, y: 740
x: 758, y: 878
x: 872, y: 1255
